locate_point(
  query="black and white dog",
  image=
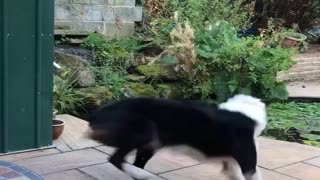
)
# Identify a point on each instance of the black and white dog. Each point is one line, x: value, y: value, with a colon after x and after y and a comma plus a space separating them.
x: 227, y: 131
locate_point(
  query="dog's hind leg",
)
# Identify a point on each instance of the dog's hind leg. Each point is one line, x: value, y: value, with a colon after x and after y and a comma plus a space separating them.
x: 144, y: 154
x: 246, y: 155
x: 118, y: 156
x: 232, y: 169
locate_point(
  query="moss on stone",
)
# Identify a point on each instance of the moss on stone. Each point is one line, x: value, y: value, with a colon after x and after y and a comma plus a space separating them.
x: 158, y: 71
x: 169, y: 90
x: 94, y: 95
x: 140, y: 90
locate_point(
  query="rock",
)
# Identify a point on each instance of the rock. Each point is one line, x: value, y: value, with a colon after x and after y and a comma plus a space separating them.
x: 75, y: 41
x: 158, y: 71
x: 83, y: 76
x: 94, y: 96
x: 92, y: 99
x: 85, y: 54
x: 135, y: 78
x: 169, y: 90
x: 132, y: 89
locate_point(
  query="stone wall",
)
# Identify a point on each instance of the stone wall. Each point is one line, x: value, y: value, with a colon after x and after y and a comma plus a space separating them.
x: 109, y: 17
x: 307, y: 68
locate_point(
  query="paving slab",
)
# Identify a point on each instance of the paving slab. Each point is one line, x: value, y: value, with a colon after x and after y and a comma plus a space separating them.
x: 74, y: 135
x: 309, y: 89
x: 314, y: 161
x: 69, y: 175
x: 274, y: 154
x: 63, y: 161
x: 108, y: 171
x: 164, y: 160
x: 27, y: 155
x: 198, y: 172
x: 301, y: 171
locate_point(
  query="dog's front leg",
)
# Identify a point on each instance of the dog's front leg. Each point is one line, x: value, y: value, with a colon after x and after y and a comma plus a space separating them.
x: 232, y: 170
x: 117, y: 159
x: 137, y: 173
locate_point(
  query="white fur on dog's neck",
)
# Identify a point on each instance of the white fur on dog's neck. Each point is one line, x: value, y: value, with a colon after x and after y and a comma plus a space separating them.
x: 249, y: 106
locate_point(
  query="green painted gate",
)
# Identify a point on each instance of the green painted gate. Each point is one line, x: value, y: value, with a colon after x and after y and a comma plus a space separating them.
x: 26, y: 56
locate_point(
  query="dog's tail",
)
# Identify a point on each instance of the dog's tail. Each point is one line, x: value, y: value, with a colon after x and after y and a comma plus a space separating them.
x: 251, y: 107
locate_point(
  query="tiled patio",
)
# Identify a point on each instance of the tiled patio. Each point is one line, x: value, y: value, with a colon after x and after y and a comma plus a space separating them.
x: 76, y: 158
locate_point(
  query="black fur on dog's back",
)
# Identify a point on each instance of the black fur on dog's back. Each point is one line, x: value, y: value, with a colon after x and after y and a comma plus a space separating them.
x: 140, y: 121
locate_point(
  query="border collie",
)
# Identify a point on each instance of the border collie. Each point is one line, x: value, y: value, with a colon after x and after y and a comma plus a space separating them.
x: 228, y: 130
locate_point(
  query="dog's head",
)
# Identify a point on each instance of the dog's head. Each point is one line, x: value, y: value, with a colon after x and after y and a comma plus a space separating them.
x: 249, y: 106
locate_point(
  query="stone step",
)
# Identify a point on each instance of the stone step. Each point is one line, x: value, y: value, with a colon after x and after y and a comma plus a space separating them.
x: 306, y: 68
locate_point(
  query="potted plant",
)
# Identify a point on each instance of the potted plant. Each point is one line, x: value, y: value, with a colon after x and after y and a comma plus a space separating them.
x: 294, y: 40
x: 57, y: 126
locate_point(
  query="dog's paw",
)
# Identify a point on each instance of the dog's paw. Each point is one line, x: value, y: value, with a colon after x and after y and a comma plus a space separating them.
x: 137, y: 173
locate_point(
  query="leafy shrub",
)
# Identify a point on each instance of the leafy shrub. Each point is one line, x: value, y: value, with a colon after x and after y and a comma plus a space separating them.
x: 114, y: 81
x: 301, y: 12
x: 112, y: 59
x: 200, y: 11
x: 64, y: 98
x: 116, y: 53
x: 228, y: 64
x: 297, y: 122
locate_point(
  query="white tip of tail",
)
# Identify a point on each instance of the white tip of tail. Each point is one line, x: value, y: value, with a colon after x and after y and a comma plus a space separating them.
x: 249, y: 106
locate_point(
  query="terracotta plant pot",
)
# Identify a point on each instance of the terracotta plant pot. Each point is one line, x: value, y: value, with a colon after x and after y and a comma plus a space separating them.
x: 292, y: 40
x: 57, y: 128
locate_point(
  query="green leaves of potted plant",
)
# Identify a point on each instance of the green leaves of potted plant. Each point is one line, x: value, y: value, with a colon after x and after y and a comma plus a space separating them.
x: 294, y: 40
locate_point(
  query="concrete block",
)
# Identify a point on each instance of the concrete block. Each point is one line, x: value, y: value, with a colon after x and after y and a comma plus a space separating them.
x: 79, y: 12
x: 121, y: 2
x: 125, y: 14
x: 78, y: 28
x: 115, y: 30
x: 97, y: 2
x: 62, y: 1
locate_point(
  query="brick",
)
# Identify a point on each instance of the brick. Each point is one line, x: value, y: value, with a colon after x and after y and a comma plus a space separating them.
x: 121, y: 2
x: 63, y: 161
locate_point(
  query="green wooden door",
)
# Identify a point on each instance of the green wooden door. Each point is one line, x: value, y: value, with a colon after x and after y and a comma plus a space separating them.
x: 26, y: 56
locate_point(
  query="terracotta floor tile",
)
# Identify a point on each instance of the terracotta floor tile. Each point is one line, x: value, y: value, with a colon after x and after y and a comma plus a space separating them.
x: 4, y: 170
x: 26, y: 155
x: 11, y: 175
x: 301, y: 171
x: 274, y: 154
x: 68, y: 175
x: 63, y: 161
